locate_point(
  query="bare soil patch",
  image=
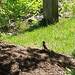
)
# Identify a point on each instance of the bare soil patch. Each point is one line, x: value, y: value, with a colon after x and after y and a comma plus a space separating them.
x: 18, y: 60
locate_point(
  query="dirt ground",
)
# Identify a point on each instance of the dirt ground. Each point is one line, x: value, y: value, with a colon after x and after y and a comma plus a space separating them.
x: 17, y: 60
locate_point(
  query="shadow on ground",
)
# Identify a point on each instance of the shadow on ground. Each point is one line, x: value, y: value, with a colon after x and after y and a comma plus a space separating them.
x: 39, y: 24
x: 32, y: 61
x: 35, y: 26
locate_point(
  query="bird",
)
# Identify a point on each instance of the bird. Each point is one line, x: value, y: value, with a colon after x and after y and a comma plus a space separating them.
x: 44, y: 45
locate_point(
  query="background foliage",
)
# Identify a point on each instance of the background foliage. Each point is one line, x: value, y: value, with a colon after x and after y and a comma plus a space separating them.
x: 67, y: 8
x: 14, y: 9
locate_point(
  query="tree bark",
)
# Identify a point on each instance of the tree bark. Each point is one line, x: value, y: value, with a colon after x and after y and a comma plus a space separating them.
x: 50, y: 8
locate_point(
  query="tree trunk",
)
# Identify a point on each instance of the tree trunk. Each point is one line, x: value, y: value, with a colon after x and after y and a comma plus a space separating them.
x: 50, y: 8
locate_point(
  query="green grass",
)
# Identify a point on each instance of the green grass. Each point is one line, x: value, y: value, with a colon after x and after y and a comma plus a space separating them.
x: 60, y: 37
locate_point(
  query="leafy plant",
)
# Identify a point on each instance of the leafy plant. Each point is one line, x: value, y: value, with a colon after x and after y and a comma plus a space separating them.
x: 67, y: 8
x: 13, y: 9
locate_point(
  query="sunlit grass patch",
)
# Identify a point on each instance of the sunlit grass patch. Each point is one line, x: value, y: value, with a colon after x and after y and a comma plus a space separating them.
x: 60, y: 37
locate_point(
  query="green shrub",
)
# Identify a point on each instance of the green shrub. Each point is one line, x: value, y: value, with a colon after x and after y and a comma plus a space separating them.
x: 67, y: 8
x: 13, y: 9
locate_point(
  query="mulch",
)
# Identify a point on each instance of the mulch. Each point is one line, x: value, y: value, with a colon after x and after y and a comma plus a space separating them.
x: 18, y: 60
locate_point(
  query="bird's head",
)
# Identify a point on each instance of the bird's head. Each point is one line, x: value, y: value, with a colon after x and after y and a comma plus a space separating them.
x: 43, y: 42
